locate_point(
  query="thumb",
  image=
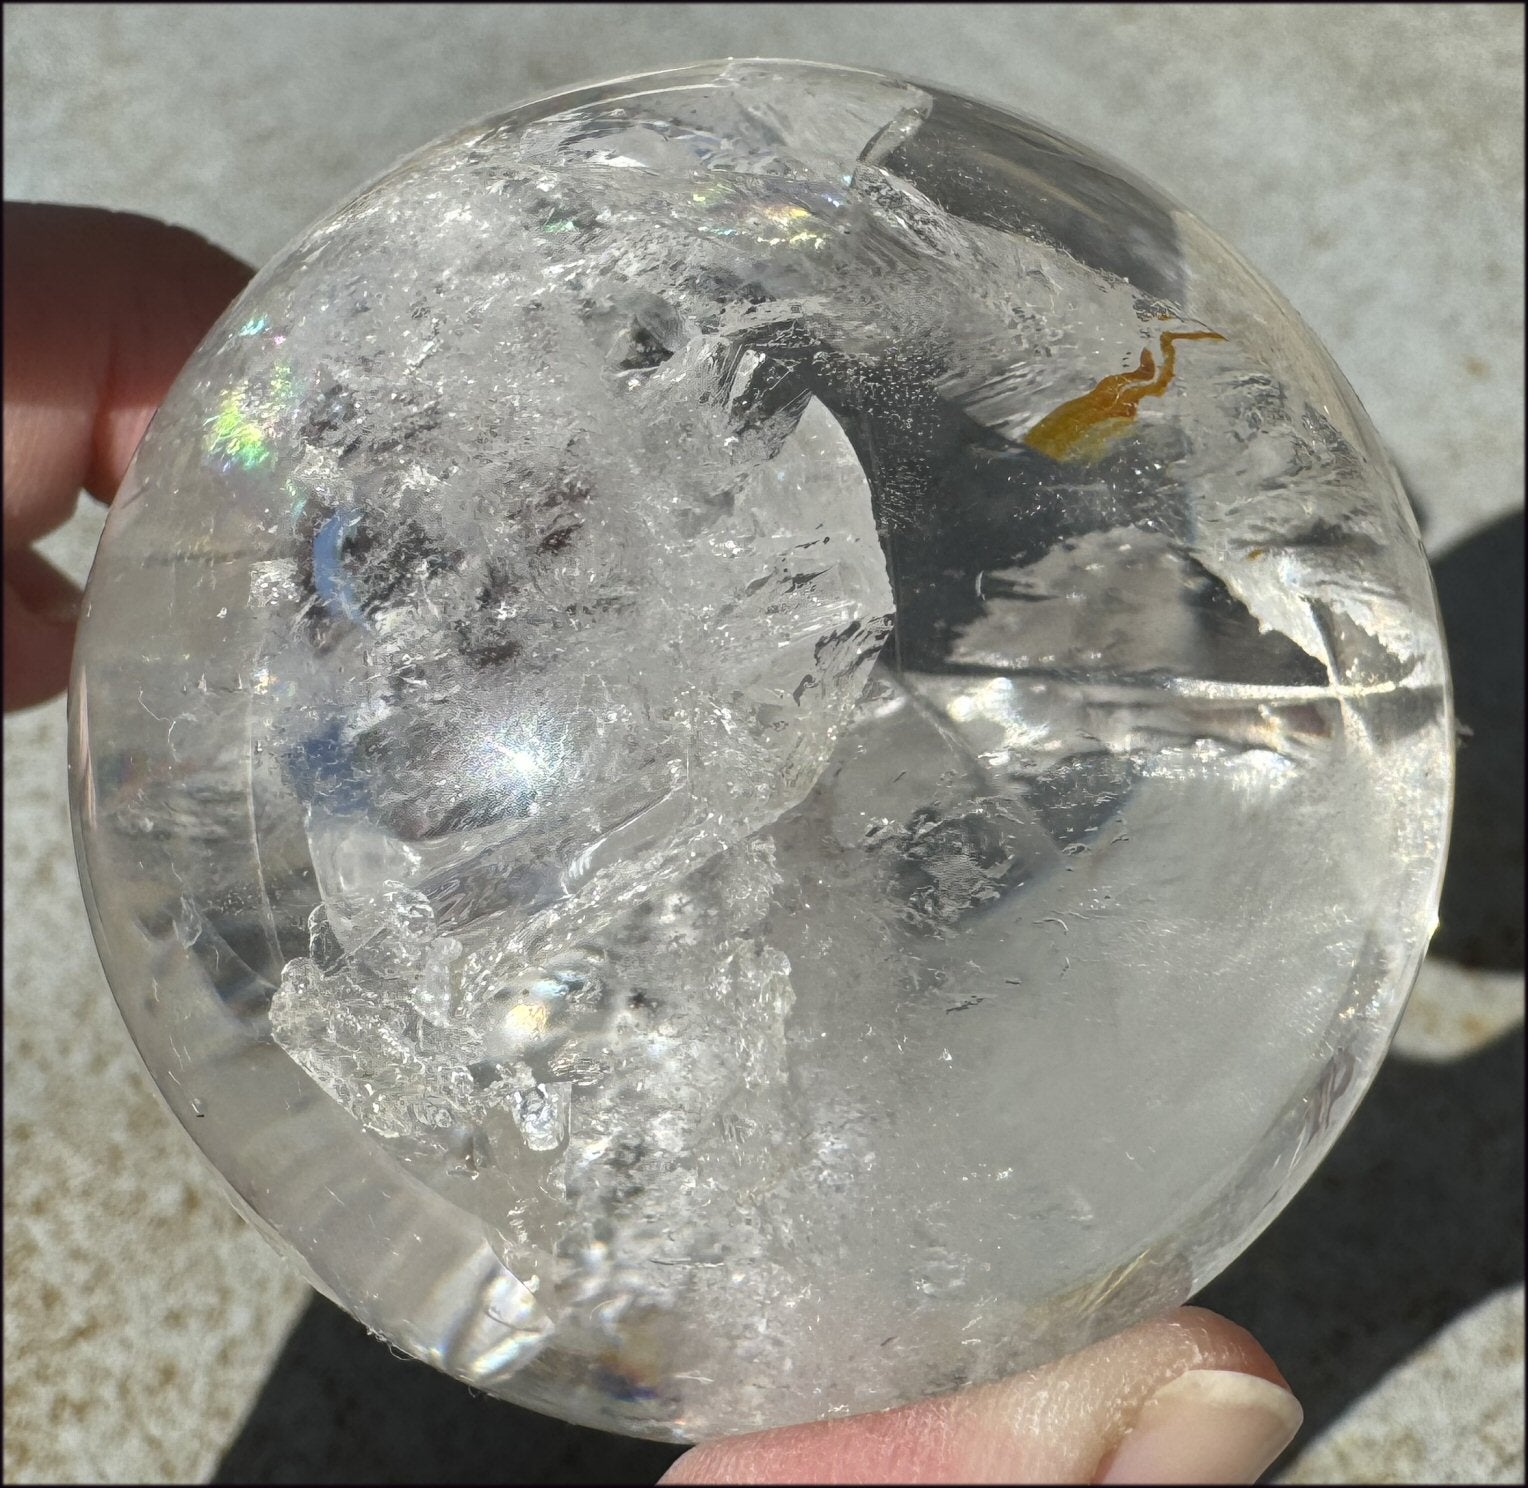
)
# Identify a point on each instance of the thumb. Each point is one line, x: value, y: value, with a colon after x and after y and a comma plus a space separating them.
x: 1186, y: 1398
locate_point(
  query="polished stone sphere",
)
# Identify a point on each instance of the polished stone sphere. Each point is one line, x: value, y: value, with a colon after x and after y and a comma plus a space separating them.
x: 758, y: 741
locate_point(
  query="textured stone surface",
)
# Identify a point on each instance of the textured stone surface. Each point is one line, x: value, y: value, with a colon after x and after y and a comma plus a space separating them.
x: 1411, y: 1428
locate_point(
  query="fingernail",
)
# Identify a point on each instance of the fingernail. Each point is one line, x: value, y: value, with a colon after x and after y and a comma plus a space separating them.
x: 1206, y: 1426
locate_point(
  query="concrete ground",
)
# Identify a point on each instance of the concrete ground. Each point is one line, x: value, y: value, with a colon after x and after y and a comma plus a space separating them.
x: 1368, y: 158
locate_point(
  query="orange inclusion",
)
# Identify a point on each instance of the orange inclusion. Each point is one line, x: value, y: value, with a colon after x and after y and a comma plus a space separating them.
x: 1083, y: 428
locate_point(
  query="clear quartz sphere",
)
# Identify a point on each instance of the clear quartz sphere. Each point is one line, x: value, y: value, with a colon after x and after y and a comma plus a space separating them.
x: 757, y: 741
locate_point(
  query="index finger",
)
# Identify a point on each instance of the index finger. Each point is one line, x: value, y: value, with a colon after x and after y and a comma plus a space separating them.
x: 102, y: 309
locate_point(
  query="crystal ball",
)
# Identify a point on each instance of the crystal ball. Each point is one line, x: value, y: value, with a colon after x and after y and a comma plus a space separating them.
x: 759, y: 741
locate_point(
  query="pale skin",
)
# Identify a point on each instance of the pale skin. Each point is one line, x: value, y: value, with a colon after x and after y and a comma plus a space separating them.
x: 101, y: 311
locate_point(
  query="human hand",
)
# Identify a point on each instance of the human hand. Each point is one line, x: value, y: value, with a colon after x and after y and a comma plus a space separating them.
x: 1186, y: 1398
x: 101, y: 311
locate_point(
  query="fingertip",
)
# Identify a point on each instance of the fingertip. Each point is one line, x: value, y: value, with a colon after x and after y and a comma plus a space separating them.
x: 1229, y: 1343
x: 38, y: 649
x: 175, y: 286
x: 102, y: 310
x: 1062, y: 1423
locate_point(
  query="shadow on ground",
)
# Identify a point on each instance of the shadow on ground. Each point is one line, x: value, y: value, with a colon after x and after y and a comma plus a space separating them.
x: 1415, y: 1216
x: 1480, y: 587
x: 340, y: 1407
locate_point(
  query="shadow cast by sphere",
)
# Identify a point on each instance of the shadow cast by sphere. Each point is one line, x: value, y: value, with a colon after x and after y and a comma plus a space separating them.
x: 341, y: 1407
x: 1415, y: 1216
x: 1480, y: 590
x: 1417, y: 1213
